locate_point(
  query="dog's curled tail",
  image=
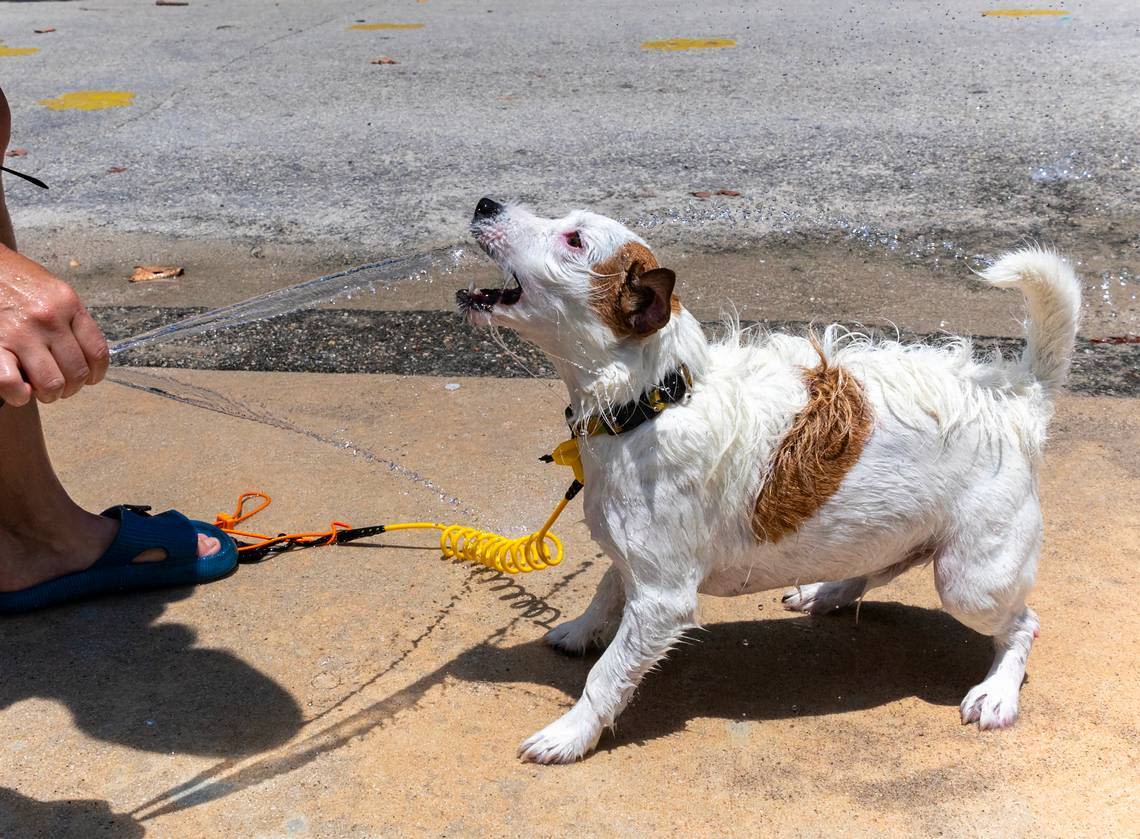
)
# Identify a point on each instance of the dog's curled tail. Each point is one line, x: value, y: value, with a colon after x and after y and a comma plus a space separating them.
x: 1054, y: 297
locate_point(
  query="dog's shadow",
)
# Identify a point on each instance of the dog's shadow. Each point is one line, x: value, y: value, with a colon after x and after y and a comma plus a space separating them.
x: 771, y: 669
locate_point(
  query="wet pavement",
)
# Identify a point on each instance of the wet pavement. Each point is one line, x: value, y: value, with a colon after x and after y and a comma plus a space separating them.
x: 437, y: 343
x: 822, y: 162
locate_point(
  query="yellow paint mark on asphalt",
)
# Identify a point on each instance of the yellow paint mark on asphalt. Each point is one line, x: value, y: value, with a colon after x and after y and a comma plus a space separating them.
x: 371, y: 26
x: 89, y: 100
x: 1025, y: 13
x: 13, y: 51
x: 677, y: 44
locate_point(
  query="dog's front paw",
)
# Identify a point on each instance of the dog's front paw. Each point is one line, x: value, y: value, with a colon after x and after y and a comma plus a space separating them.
x: 821, y: 598
x: 992, y: 704
x: 576, y: 636
x: 569, y: 738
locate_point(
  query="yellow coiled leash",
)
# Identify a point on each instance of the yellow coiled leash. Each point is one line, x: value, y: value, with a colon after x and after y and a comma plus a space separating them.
x: 541, y: 549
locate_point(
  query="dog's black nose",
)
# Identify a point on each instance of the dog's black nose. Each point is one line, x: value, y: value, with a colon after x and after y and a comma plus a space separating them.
x: 487, y: 208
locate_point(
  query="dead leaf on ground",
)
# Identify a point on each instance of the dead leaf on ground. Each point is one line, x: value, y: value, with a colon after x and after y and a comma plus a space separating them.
x: 702, y: 194
x: 731, y: 193
x: 151, y: 273
x: 44, y: 30
x: 16, y: 153
x: 384, y: 60
x: 116, y: 170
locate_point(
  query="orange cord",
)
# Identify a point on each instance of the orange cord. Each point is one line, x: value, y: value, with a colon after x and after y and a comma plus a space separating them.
x: 533, y: 552
x: 227, y: 524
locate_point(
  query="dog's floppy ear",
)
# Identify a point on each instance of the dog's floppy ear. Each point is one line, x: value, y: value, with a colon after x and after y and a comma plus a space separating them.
x: 631, y: 294
x: 650, y: 299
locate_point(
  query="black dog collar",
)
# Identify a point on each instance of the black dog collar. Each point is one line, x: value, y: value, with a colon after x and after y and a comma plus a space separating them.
x: 671, y: 390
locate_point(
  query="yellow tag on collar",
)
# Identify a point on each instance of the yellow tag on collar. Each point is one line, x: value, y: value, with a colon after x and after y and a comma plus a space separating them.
x: 567, y: 454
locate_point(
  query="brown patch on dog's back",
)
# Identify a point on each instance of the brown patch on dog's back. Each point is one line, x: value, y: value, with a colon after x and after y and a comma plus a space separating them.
x: 612, y: 299
x: 824, y: 442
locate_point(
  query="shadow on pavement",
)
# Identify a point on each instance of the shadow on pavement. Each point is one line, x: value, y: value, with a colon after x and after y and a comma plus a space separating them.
x: 787, y: 668
x: 83, y: 819
x: 128, y: 681
x: 770, y: 669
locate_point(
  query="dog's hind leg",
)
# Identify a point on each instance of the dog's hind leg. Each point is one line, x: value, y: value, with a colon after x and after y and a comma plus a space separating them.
x: 821, y: 598
x: 595, y: 626
x: 652, y: 622
x: 983, y: 584
x: 994, y: 703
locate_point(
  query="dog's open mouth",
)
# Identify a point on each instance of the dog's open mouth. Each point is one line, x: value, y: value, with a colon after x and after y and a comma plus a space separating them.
x: 485, y: 299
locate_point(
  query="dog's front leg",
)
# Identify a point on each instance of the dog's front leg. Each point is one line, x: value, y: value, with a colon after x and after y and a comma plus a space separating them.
x: 595, y: 626
x: 652, y: 621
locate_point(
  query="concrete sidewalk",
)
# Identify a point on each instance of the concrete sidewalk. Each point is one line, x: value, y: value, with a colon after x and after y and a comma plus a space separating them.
x: 380, y: 690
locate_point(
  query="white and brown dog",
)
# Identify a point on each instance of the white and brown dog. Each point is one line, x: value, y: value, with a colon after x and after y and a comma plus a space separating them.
x: 830, y: 464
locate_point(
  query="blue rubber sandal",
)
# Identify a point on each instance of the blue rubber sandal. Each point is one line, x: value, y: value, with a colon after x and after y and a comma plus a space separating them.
x: 116, y: 571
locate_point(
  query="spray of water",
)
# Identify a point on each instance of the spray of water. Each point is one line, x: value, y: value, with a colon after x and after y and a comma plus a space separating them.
x: 375, y: 275
x: 387, y: 273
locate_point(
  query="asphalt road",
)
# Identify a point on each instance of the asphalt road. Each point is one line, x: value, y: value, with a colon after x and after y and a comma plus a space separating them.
x: 924, y: 131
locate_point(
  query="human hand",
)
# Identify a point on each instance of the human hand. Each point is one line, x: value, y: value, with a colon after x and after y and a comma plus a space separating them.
x: 47, y: 336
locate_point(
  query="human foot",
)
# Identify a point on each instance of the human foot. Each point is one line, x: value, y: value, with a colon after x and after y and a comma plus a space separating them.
x: 30, y: 555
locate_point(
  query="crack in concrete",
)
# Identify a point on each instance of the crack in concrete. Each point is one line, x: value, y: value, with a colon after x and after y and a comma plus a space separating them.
x: 197, y: 396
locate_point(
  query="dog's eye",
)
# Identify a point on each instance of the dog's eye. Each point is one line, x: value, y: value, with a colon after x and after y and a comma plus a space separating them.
x: 573, y: 239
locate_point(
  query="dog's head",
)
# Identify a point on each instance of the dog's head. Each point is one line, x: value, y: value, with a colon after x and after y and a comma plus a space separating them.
x: 582, y: 278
